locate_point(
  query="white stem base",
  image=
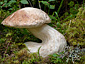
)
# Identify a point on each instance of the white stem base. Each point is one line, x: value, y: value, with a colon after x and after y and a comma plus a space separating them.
x: 52, y: 41
x: 33, y: 46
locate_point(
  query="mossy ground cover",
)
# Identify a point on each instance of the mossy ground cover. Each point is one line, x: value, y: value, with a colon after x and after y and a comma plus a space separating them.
x: 75, y: 29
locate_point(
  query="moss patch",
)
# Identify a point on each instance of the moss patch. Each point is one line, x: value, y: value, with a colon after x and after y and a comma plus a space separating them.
x: 75, y: 29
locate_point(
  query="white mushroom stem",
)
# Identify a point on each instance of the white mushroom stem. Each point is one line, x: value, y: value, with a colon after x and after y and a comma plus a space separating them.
x: 52, y: 40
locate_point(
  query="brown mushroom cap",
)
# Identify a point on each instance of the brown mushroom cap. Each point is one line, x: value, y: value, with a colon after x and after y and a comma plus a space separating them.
x: 27, y: 18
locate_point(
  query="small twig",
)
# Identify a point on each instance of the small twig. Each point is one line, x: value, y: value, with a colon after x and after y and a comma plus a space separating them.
x: 24, y: 5
x: 39, y: 4
x: 7, y: 46
x: 30, y: 3
x: 6, y: 49
x: 68, y: 27
x: 70, y: 23
x: 19, y: 5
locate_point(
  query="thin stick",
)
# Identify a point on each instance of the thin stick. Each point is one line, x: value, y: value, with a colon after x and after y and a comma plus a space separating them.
x: 19, y: 5
x: 39, y: 4
x: 30, y: 3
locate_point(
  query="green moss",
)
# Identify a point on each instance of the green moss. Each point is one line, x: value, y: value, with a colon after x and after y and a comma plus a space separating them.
x: 81, y: 13
x: 75, y: 29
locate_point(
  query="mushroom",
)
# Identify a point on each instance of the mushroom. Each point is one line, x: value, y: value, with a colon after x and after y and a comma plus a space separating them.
x: 35, y: 20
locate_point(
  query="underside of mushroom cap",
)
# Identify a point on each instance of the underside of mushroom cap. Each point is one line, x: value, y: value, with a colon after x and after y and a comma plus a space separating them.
x: 27, y: 18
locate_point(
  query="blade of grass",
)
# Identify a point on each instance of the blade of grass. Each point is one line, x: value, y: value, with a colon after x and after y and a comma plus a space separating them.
x: 57, y: 16
x: 83, y: 3
x: 60, y: 6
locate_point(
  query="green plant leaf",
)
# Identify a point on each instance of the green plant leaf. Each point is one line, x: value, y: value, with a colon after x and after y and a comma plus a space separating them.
x: 10, y: 9
x: 2, y: 40
x: 8, y: 34
x: 57, y: 16
x: 5, y: 5
x: 24, y: 1
x: 12, y: 1
x: 58, y: 24
x: 1, y: 3
x: 52, y: 6
x: 5, y: 1
x: 71, y: 3
x: 45, y: 3
x: 52, y: 17
x: 55, y: 55
x: 51, y: 0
